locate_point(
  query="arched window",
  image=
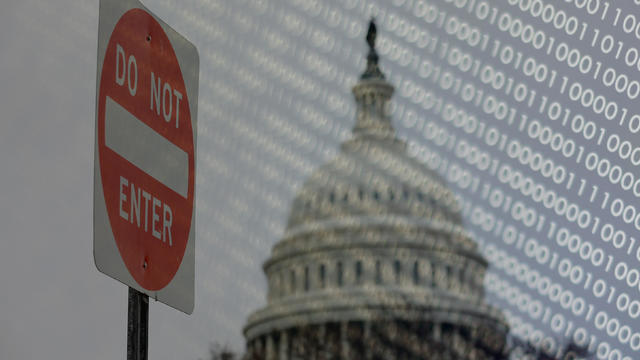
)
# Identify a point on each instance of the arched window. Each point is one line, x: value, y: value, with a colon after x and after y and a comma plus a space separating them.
x: 433, y: 275
x: 358, y: 272
x: 397, y: 269
x: 322, y: 274
x: 306, y: 278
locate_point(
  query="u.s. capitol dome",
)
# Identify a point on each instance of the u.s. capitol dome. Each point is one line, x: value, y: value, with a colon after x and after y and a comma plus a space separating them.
x: 375, y: 262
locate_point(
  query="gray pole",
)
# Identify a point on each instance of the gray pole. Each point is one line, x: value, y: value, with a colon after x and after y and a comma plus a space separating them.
x: 137, y: 326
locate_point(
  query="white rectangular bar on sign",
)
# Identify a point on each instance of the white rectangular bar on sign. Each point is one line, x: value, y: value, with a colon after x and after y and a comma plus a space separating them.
x: 145, y: 148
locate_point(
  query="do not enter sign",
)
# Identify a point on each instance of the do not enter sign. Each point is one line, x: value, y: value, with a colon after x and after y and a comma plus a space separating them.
x: 145, y: 154
x: 145, y: 145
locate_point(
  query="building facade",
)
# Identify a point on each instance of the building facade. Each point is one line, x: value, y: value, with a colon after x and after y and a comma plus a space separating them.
x: 375, y: 262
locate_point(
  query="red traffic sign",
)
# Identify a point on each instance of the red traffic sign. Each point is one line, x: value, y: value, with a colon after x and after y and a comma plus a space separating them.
x: 145, y: 154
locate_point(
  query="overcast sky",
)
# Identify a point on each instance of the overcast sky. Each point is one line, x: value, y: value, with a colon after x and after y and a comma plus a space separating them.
x: 53, y: 302
x: 274, y: 103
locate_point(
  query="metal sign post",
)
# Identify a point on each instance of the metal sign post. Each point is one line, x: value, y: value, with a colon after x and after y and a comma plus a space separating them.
x: 137, y: 326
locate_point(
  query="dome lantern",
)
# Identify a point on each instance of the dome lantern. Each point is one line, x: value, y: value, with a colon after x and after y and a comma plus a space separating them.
x: 372, y: 95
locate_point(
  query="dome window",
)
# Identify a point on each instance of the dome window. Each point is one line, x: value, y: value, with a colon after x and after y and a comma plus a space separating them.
x: 397, y: 269
x: 321, y: 275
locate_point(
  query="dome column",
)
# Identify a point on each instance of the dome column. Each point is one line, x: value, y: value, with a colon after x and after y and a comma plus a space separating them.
x: 270, y: 353
x: 283, y: 348
x: 344, y: 340
x: 322, y: 336
x: 437, y: 331
x: 368, y: 355
x: 392, y: 333
x: 454, y: 281
x: 250, y: 348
